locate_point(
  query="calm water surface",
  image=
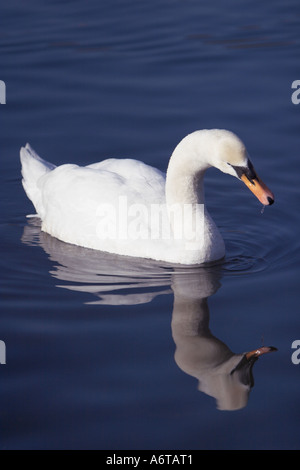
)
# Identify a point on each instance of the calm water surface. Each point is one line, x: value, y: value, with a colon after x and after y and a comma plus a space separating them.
x: 105, y: 352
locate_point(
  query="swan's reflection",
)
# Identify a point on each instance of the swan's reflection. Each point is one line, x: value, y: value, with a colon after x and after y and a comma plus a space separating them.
x: 117, y: 280
x: 222, y: 374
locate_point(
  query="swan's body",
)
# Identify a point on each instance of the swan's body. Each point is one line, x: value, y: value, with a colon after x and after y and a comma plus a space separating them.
x: 118, y: 205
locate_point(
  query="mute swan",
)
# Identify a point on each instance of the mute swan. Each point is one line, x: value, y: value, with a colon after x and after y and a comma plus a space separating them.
x: 126, y: 207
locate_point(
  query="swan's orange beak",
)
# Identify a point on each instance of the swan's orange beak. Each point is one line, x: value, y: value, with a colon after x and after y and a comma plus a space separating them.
x: 258, y: 352
x: 259, y: 189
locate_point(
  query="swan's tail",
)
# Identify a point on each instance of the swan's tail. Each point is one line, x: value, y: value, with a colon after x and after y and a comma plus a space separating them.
x: 33, y: 167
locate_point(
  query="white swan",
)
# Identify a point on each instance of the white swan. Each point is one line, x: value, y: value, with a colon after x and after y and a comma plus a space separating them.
x: 129, y: 208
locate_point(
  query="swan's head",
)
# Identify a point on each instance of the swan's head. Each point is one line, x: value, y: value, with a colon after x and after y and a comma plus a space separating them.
x: 231, y: 157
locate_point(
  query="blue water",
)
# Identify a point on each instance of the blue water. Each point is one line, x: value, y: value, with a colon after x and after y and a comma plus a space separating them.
x: 108, y: 353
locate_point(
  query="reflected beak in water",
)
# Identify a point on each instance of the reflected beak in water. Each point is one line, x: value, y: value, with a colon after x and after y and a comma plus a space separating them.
x: 246, y: 363
x: 258, y: 352
x: 244, y: 367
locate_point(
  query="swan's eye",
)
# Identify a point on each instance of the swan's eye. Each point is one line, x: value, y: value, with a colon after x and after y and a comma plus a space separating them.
x: 245, y: 170
x: 250, y: 173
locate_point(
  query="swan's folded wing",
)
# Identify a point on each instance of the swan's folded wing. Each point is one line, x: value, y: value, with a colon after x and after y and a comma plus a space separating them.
x: 139, y: 177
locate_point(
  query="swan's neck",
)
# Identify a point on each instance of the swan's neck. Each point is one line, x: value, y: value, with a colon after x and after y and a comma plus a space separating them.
x: 184, y: 188
x: 185, y: 174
